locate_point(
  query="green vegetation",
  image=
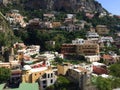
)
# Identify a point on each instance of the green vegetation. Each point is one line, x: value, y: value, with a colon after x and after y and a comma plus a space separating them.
x: 40, y: 37
x: 103, y: 84
x: 4, y: 74
x: 63, y: 83
x: 106, y: 83
x: 115, y: 70
x: 7, y: 37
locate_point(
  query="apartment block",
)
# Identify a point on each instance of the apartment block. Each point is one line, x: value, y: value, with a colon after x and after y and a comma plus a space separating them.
x: 87, y: 49
x: 47, y: 79
x: 80, y: 49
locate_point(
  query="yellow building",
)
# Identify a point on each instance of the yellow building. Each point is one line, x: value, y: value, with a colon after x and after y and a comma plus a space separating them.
x: 56, y: 24
x: 102, y: 29
x: 62, y: 69
x: 31, y: 75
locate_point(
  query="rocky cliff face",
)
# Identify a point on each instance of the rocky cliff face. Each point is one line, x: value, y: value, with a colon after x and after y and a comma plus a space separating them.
x: 66, y: 5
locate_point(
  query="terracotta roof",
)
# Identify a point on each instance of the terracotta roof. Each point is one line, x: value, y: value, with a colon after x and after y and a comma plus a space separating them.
x: 107, y: 57
x: 99, y: 70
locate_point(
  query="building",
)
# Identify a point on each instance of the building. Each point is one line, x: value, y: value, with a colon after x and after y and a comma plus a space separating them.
x: 89, y: 15
x: 70, y: 15
x: 56, y: 24
x: 31, y: 75
x: 47, y: 56
x: 78, y: 49
x: 99, y: 68
x: 15, y: 78
x: 11, y: 64
x: 14, y: 17
x: 62, y: 69
x: 47, y: 79
x: 78, y: 41
x: 87, y: 49
x: 93, y: 58
x: 27, y: 86
x: 92, y: 36
x: 48, y: 17
x: 117, y: 41
x: 68, y: 49
x: 78, y: 75
x: 28, y: 51
x: 106, y: 39
x: 102, y: 29
x: 110, y: 59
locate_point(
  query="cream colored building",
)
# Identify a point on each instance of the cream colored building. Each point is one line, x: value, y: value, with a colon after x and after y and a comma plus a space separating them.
x: 102, y: 29
x: 88, y: 49
x: 78, y: 74
x: 93, y: 58
x: 47, y: 79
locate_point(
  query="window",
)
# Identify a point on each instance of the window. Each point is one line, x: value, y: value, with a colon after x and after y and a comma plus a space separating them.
x: 44, y: 86
x: 51, y: 81
x: 44, y: 82
x: 51, y: 74
x: 44, y: 76
x: 48, y: 76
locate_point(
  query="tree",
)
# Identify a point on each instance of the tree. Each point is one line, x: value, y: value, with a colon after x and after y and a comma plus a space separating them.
x: 115, y: 70
x: 4, y: 74
x: 62, y: 82
x: 50, y: 87
x: 116, y: 83
x: 104, y: 83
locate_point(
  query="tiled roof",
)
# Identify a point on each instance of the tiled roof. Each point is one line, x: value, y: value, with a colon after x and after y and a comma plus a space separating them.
x: 99, y: 70
x: 107, y: 57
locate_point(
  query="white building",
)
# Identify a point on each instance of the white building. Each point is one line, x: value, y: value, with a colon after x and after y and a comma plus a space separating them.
x: 92, y: 36
x: 70, y: 16
x: 49, y: 78
x: 48, y: 56
x: 93, y: 58
x: 106, y: 39
x: 30, y: 50
x: 78, y: 41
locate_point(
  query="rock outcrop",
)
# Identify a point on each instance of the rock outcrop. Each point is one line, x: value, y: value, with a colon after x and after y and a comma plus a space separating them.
x: 66, y: 5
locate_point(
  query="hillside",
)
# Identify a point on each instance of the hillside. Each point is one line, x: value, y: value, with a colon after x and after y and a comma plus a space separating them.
x: 6, y: 34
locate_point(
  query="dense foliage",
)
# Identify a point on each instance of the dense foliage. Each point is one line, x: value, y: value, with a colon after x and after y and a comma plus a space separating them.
x: 106, y: 83
x: 4, y: 74
x: 115, y: 70
x: 63, y: 83
x: 40, y: 37
x: 7, y: 37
